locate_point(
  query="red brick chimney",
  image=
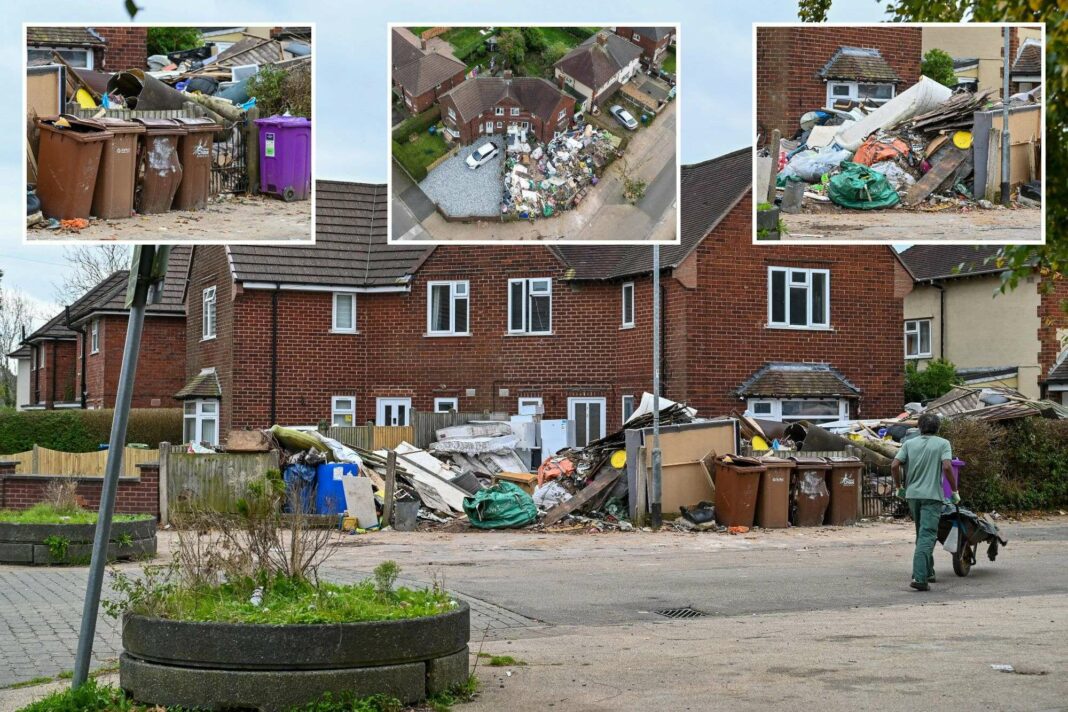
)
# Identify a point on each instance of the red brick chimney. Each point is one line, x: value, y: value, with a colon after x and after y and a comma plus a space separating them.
x: 422, y: 43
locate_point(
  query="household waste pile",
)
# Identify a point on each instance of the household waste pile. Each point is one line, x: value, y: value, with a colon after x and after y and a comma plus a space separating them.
x: 914, y: 149
x: 544, y: 179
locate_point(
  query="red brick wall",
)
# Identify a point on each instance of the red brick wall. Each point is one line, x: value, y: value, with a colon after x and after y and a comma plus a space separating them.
x: 727, y: 339
x: 60, y: 357
x: 1052, y: 317
x: 126, y: 47
x: 425, y: 100
x: 648, y: 45
x: 210, y: 267
x: 160, y: 363
x: 788, y: 59
x: 543, y: 130
x: 134, y: 496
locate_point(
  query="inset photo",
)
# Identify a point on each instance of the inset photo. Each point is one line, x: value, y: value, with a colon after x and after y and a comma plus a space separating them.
x: 166, y: 133
x: 899, y: 133
x: 555, y: 133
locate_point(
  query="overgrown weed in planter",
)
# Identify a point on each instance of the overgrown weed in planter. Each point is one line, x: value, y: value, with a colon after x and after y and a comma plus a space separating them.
x: 260, y: 565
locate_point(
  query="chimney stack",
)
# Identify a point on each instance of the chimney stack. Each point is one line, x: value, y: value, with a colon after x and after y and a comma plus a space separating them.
x: 422, y: 43
x: 602, y: 38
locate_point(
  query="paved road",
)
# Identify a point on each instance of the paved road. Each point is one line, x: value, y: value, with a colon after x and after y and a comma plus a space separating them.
x: 794, y: 619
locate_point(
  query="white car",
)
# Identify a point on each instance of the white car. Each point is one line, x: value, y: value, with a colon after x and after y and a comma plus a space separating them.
x: 623, y: 116
x: 481, y: 155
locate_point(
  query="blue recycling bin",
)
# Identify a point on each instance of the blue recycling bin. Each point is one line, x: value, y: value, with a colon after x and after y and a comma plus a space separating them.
x: 329, y: 494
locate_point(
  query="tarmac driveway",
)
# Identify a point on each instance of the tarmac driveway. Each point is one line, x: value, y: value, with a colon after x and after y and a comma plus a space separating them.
x: 463, y: 192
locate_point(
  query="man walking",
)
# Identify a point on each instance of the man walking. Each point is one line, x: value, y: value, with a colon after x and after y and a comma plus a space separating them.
x: 925, y: 459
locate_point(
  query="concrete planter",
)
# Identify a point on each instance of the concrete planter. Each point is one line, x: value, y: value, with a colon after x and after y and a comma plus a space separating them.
x: 271, y: 668
x: 28, y: 543
x: 768, y: 220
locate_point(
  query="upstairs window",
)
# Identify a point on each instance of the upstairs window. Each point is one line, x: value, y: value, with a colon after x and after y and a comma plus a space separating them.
x: 344, y: 319
x: 799, y: 298
x: 207, y: 321
x: 499, y: 111
x: 561, y: 115
x: 515, y: 111
x: 918, y: 338
x: 447, y: 308
x: 530, y: 304
x: 94, y: 337
x: 628, y: 305
x: 452, y: 113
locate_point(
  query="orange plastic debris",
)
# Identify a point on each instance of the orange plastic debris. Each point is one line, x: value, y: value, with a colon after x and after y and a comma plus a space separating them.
x: 737, y: 530
x: 74, y: 224
x: 553, y: 468
x: 873, y: 151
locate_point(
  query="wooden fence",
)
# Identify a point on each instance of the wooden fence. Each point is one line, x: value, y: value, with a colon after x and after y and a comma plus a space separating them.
x: 42, y: 461
x: 426, y: 425
x: 371, y: 437
x: 213, y: 481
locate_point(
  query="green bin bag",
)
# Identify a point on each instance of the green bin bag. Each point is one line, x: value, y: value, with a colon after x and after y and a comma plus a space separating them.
x: 501, y: 506
x: 859, y: 187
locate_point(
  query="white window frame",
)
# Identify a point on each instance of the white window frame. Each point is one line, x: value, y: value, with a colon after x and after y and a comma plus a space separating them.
x: 637, y: 37
x: 776, y: 409
x: 454, y: 286
x: 383, y: 401
x: 524, y: 404
x: 854, y: 91
x: 500, y: 124
x: 90, y: 57
x: 627, y: 402
x: 627, y: 299
x: 336, y: 409
x: 560, y: 117
x: 514, y: 111
x: 572, y: 402
x: 498, y: 111
x: 208, y: 312
x: 528, y: 293
x: 334, y: 327
x: 94, y: 337
x: 452, y: 113
x: 913, y: 327
x: 199, y: 416
x: 810, y: 325
x: 452, y: 401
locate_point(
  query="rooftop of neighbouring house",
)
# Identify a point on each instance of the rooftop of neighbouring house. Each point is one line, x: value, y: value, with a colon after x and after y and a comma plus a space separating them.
x: 779, y: 380
x: 538, y: 96
x: 63, y: 36
x: 859, y: 63
x: 928, y: 262
x: 598, y: 58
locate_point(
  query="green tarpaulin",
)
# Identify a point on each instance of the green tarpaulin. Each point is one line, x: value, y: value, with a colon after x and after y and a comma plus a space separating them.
x: 501, y: 506
x: 859, y: 187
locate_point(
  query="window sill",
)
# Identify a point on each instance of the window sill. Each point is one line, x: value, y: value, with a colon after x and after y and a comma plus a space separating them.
x: 344, y: 331
x: 207, y: 338
x: 532, y: 333
x: 432, y: 335
x: 626, y: 327
x: 785, y: 327
x: 918, y: 357
x: 94, y: 353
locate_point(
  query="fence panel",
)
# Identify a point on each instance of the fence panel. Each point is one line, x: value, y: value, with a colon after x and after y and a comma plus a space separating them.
x: 43, y: 461
x: 426, y: 425
x: 371, y: 437
x: 212, y: 481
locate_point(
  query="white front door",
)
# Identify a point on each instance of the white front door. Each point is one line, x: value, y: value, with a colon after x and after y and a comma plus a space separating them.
x: 588, y: 414
x: 393, y: 411
x: 489, y: 127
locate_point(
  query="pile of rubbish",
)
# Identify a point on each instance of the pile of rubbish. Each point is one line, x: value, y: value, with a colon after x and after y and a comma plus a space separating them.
x: 544, y: 179
x: 915, y: 149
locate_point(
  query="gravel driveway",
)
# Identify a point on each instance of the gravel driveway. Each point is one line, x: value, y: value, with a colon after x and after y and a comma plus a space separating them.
x: 460, y: 191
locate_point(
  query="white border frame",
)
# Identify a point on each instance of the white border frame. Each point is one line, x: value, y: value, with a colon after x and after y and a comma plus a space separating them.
x: 890, y: 243
x: 528, y: 242
x: 187, y: 240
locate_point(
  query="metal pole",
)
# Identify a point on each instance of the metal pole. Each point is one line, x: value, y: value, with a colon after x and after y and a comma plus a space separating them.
x: 1006, y: 163
x: 111, y: 482
x: 654, y: 506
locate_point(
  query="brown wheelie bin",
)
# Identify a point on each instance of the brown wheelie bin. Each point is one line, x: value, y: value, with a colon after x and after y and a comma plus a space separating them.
x: 67, y: 163
x: 194, y: 151
x: 773, y: 500
x: 810, y: 495
x: 844, y: 480
x: 737, y: 483
x: 114, y: 193
x: 159, y: 170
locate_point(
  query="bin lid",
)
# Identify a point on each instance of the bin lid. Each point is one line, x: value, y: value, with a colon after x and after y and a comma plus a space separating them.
x: 161, y: 126
x: 811, y: 463
x: 117, y: 125
x: 775, y: 461
x: 849, y: 461
x: 72, y: 127
x: 284, y: 122
x: 198, y: 124
x: 738, y: 462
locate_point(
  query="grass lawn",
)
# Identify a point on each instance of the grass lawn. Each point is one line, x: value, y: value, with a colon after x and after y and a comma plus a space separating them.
x: 423, y: 151
x: 557, y: 34
x: 669, y: 60
x: 287, y: 602
x: 463, y: 37
x: 47, y: 514
x: 418, y: 30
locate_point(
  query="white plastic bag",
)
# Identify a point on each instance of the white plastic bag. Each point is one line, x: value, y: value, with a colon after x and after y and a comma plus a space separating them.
x: 952, y: 540
x: 810, y: 166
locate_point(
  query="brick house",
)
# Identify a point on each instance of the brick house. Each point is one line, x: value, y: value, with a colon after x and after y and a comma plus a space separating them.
x: 597, y: 68
x: 804, y: 68
x: 496, y: 105
x: 955, y: 287
x: 353, y: 329
x: 421, y: 74
x: 107, y: 49
x: 654, y: 42
x: 74, y: 359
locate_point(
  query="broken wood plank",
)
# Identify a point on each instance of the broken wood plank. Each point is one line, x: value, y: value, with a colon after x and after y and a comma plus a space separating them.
x: 944, y: 164
x: 600, y: 483
x: 389, y: 488
x: 993, y: 166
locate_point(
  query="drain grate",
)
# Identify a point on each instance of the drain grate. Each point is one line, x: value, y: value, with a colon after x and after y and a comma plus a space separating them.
x: 680, y: 613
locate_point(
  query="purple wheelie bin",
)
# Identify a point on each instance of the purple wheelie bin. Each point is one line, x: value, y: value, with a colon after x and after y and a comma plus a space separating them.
x: 285, y: 157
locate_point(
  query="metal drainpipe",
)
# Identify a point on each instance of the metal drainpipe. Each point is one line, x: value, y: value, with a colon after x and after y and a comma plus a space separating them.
x: 1005, y: 142
x: 54, y: 370
x: 941, y: 319
x: 274, y: 353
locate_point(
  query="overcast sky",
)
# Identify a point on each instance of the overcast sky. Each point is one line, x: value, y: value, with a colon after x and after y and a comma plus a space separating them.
x: 351, y: 84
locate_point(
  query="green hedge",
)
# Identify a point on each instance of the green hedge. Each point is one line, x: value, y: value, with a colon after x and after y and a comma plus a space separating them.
x: 85, y: 430
x: 417, y: 124
x: 1018, y: 465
